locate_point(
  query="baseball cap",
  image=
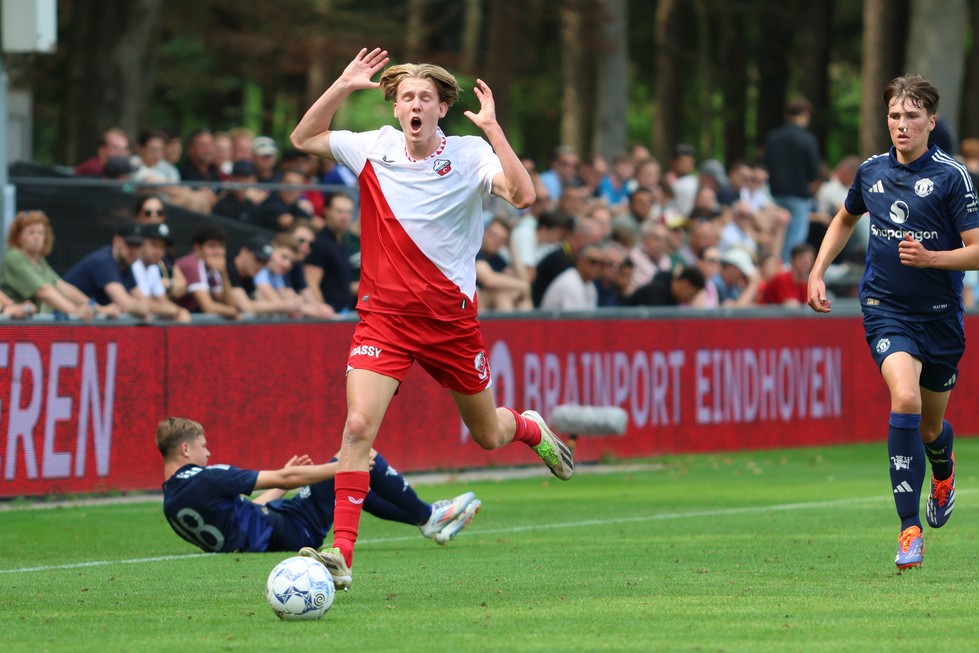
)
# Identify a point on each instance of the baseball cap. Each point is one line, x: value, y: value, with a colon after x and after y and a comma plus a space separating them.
x: 131, y: 232
x: 739, y: 259
x: 243, y: 168
x: 264, y: 146
x: 157, y: 230
x: 117, y: 166
x: 260, y: 247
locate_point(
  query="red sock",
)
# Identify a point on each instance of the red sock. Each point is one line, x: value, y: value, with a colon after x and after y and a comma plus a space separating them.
x: 527, y: 431
x: 350, y: 489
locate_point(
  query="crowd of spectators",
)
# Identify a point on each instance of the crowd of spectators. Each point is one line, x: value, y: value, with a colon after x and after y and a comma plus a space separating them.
x: 631, y: 232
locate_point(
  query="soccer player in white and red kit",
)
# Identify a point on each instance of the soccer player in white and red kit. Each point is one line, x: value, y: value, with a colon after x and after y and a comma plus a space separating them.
x: 421, y: 227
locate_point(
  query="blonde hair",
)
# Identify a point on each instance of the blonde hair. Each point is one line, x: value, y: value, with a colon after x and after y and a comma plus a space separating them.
x: 174, y: 431
x: 446, y: 85
x: 25, y: 219
x: 286, y: 240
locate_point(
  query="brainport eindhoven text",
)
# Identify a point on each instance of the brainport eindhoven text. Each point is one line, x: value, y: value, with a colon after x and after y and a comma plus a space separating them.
x: 656, y: 387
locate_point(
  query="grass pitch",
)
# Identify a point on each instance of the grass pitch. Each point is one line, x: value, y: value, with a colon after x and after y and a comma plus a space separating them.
x: 760, y: 551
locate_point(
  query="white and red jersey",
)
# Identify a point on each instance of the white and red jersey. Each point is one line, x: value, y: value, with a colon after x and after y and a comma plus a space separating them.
x: 421, y: 221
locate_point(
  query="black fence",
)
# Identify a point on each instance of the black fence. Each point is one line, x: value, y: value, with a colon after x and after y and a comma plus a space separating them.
x: 85, y: 212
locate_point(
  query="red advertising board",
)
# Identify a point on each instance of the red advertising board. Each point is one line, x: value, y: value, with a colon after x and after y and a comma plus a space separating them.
x: 79, y: 404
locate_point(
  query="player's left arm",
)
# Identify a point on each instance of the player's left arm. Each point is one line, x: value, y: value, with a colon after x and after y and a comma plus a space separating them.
x: 913, y: 253
x: 513, y: 184
x: 961, y: 205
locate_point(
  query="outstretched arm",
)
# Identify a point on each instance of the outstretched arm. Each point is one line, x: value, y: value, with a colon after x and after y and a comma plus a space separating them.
x: 514, y: 183
x: 299, y: 471
x: 312, y: 134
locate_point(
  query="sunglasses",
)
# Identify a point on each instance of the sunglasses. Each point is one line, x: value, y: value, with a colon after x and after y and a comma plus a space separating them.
x: 152, y: 211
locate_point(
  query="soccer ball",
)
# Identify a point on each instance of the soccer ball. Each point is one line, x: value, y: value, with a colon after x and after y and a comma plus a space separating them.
x: 300, y: 588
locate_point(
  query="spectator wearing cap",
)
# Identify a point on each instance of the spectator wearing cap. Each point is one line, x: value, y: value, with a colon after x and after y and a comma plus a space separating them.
x: 243, y: 268
x: 328, y: 272
x: 265, y: 155
x: 148, y: 272
x: 738, y: 281
x: 205, y: 269
x: 284, y: 205
x: 25, y: 274
x: 106, y: 274
x: 235, y: 202
x: 118, y: 168
x: 112, y: 142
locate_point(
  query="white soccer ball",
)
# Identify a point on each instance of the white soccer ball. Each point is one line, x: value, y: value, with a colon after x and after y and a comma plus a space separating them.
x: 300, y: 588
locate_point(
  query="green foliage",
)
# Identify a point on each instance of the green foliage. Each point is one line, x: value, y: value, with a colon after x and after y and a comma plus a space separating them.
x: 768, y: 551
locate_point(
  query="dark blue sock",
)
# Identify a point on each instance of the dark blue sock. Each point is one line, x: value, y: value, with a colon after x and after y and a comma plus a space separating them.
x: 395, y: 499
x: 907, y: 466
x: 939, y: 453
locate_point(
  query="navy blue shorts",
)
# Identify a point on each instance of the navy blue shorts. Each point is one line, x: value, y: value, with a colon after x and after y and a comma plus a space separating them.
x: 938, y: 344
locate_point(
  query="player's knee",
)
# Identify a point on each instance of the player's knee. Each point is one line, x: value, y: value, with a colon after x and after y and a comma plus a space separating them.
x: 488, y: 440
x: 906, y: 402
x: 359, y: 428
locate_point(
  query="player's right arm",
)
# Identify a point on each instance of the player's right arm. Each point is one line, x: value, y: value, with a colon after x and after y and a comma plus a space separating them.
x: 312, y: 134
x: 293, y: 476
x: 837, y: 235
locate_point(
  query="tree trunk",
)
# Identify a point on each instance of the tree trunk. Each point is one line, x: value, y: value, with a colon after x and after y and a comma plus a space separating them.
x: 734, y: 76
x: 669, y: 45
x: 472, y: 21
x: 414, y: 30
x: 936, y: 49
x: 705, y: 78
x: 816, y: 46
x: 775, y: 50
x: 111, y: 71
x: 611, y: 134
x: 969, y: 123
x: 572, y: 60
x: 505, y: 28
x: 884, y: 29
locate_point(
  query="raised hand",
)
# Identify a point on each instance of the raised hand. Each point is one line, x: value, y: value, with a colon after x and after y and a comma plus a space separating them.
x: 357, y: 75
x: 487, y: 106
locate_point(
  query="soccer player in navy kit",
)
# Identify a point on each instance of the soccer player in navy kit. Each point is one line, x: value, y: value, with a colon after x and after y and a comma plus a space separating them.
x: 924, y: 231
x: 209, y: 506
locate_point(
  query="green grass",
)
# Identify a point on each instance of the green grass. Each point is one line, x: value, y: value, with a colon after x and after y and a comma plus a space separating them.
x: 763, y: 551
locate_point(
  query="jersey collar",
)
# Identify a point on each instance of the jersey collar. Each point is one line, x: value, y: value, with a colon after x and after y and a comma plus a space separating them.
x: 915, y: 165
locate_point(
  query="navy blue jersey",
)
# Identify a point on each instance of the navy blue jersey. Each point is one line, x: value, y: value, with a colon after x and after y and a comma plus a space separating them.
x: 207, y: 507
x: 934, y: 200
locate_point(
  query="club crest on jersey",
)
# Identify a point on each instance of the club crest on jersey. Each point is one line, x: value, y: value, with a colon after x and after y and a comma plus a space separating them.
x: 482, y: 369
x: 899, y: 212
x: 923, y: 187
x: 442, y: 167
x: 883, y: 345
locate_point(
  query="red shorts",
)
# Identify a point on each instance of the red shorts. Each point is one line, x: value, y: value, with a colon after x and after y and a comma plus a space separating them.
x: 452, y: 352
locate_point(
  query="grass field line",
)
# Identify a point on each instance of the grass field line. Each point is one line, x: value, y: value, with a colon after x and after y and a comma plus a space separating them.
x: 719, y: 512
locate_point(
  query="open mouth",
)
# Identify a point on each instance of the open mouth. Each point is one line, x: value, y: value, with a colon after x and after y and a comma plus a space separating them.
x: 415, y: 124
